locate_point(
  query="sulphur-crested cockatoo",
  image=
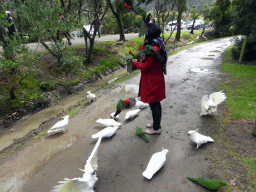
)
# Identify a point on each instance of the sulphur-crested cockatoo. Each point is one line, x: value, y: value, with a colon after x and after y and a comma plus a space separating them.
x: 209, y: 103
x: 198, y: 138
x: 90, y: 96
x: 140, y: 104
x: 59, y: 126
x: 108, y: 122
x: 156, y: 162
x: 106, y: 132
x: 131, y: 114
x: 87, y: 182
x: 117, y: 117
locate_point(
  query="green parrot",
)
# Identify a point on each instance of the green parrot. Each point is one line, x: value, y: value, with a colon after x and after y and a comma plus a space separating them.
x: 208, y: 183
x: 140, y: 132
x: 124, y: 104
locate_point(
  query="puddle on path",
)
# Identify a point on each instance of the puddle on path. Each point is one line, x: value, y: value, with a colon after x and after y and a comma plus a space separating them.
x: 199, y: 70
x: 207, y: 58
x: 215, y: 51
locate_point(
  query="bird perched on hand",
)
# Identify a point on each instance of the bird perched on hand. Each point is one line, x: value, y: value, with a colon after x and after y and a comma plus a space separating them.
x: 198, y: 138
x: 156, y: 162
x: 209, y: 103
x: 59, y: 126
x: 140, y: 104
x: 90, y: 96
x: 107, y: 132
x: 87, y: 182
x: 212, y: 184
x: 140, y: 132
x: 131, y: 114
x: 108, y: 122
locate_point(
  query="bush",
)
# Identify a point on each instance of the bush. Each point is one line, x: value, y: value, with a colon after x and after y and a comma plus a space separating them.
x: 72, y: 63
x: 250, y: 49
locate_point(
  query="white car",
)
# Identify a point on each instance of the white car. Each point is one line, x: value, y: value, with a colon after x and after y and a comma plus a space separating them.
x: 198, y: 24
x: 171, y: 25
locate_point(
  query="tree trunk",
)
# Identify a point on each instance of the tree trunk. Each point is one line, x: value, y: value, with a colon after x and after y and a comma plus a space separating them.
x: 89, y: 55
x: 254, y: 129
x: 57, y: 56
x: 177, y: 38
x: 242, y: 50
x: 192, y: 29
x: 117, y: 16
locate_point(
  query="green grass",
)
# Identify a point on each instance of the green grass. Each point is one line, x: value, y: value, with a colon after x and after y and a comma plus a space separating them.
x: 250, y: 164
x: 74, y: 111
x: 240, y: 90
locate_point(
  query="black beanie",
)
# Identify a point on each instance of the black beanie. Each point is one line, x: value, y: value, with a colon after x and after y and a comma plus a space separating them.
x: 154, y: 31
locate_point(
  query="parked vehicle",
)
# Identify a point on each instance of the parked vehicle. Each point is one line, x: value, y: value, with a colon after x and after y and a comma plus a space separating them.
x: 171, y: 25
x: 198, y: 24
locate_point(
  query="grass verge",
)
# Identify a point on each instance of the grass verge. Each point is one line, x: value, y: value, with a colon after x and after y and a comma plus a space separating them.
x: 234, y: 156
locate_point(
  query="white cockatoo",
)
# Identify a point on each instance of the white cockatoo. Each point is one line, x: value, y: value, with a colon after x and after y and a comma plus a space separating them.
x: 117, y: 118
x: 108, y: 122
x: 140, y: 104
x: 106, y: 132
x: 59, y: 126
x: 209, y: 103
x: 198, y: 138
x: 90, y: 96
x: 87, y: 182
x: 131, y: 114
x: 155, y: 163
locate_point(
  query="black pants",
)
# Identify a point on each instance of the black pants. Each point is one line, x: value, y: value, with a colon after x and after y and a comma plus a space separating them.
x: 156, y: 114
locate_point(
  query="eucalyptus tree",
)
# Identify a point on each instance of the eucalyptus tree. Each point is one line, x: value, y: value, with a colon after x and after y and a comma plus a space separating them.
x: 181, y: 7
x: 164, y: 10
x: 193, y: 16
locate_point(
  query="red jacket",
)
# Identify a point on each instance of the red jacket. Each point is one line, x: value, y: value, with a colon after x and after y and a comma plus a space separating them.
x: 152, y: 84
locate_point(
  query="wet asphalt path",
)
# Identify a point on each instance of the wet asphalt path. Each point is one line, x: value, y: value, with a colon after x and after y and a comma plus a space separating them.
x: 124, y: 157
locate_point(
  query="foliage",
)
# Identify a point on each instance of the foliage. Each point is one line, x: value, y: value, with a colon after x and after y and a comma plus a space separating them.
x: 222, y: 16
x: 72, y: 63
x: 240, y: 91
x: 193, y: 16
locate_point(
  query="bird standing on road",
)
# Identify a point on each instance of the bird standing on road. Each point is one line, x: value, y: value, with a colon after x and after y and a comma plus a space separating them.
x: 108, y: 122
x: 131, y: 114
x: 90, y: 96
x: 209, y: 103
x: 156, y: 162
x: 140, y: 104
x: 198, y: 138
x: 87, y: 182
x: 59, y: 126
x: 211, y: 184
x: 107, y: 132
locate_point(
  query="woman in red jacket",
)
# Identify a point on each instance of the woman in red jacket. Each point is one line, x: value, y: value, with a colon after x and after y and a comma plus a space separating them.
x: 152, y: 83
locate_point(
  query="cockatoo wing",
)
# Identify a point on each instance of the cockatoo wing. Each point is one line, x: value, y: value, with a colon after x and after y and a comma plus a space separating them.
x: 217, y: 97
x: 156, y: 162
x: 68, y: 185
x: 93, y: 158
x: 53, y: 131
x: 204, y: 105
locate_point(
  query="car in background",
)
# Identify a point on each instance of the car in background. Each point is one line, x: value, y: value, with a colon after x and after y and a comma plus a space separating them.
x: 198, y: 24
x: 171, y: 25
